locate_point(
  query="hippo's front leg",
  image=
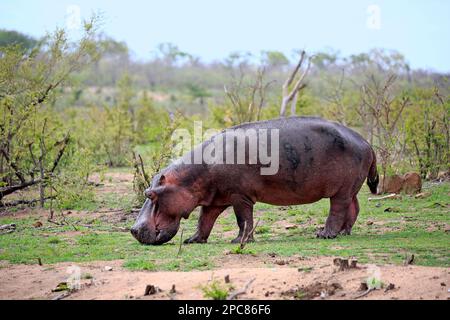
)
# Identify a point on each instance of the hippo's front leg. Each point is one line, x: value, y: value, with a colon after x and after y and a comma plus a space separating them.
x: 243, y: 208
x: 206, y: 220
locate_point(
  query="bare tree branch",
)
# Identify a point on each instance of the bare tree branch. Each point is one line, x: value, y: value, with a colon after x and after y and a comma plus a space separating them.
x: 292, y: 96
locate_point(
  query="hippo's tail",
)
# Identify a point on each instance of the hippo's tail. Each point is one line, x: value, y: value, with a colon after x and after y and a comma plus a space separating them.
x: 372, y: 177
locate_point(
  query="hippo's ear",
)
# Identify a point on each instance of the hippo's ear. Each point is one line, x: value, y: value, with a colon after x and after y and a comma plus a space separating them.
x: 162, y: 179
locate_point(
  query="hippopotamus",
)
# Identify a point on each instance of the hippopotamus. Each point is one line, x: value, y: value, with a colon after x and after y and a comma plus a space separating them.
x: 317, y: 159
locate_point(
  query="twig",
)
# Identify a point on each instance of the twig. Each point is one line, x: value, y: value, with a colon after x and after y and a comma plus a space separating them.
x: 236, y: 293
x: 245, y: 236
x: 62, y: 295
x: 144, y: 174
x: 181, y: 242
x: 389, y: 196
x: 365, y: 293
x: 19, y: 202
x: 8, y: 226
x: 109, y: 210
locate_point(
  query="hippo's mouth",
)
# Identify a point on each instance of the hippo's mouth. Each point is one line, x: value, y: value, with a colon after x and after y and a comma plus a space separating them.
x: 164, y: 236
x: 159, y: 237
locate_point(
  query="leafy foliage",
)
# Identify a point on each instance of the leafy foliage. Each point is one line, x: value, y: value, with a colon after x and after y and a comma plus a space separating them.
x: 34, y: 139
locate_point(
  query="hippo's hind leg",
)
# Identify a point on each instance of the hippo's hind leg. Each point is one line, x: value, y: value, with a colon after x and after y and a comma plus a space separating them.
x: 352, y: 215
x: 337, y: 217
x: 243, y: 208
x: 206, y: 220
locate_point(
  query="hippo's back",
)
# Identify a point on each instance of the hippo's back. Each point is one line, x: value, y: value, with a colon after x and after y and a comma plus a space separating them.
x: 316, y: 158
x: 305, y: 125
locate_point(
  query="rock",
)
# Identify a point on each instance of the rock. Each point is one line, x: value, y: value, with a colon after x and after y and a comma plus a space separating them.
x: 369, y: 223
x: 108, y: 268
x: 341, y: 263
x: 409, y: 183
x: 290, y: 226
x: 363, y: 286
x: 390, y: 286
x: 151, y: 289
x: 409, y: 260
x: 37, y: 224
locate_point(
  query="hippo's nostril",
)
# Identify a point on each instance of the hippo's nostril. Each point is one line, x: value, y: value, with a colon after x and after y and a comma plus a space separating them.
x: 134, y: 231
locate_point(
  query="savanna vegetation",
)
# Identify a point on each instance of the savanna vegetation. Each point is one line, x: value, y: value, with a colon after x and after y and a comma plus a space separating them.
x: 75, y: 114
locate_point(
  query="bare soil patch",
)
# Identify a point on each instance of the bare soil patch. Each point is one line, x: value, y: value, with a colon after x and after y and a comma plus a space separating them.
x: 296, y: 278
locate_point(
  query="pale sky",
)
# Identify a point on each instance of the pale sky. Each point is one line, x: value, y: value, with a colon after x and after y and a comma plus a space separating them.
x: 211, y: 29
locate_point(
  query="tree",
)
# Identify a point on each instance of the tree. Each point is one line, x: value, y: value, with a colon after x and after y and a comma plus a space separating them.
x: 384, y: 111
x: 171, y: 54
x: 33, y: 140
x: 198, y: 92
x: 274, y: 59
x: 9, y: 38
x: 322, y: 60
x: 429, y: 116
x: 247, y: 97
x: 291, y: 95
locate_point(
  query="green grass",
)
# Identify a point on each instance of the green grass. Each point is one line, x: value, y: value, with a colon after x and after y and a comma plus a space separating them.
x: 415, y: 226
x: 215, y: 290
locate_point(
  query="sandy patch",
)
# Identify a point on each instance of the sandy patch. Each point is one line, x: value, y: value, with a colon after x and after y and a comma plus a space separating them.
x: 273, y: 278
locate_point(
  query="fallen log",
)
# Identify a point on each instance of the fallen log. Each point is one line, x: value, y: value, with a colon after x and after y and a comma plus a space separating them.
x: 20, y: 202
x: 7, y: 228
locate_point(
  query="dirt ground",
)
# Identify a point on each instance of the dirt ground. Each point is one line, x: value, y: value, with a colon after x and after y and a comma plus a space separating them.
x: 316, y: 278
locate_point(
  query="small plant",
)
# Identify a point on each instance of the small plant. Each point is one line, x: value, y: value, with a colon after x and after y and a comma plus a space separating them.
x: 299, y: 295
x: 240, y: 250
x: 215, y: 290
x: 374, y: 283
x: 305, y: 269
x: 53, y: 240
x: 262, y: 230
x: 87, y: 276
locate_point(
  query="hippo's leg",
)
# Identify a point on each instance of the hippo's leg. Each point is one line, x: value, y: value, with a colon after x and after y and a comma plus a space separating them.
x: 244, y: 217
x: 206, y: 220
x: 352, y: 215
x: 336, y: 219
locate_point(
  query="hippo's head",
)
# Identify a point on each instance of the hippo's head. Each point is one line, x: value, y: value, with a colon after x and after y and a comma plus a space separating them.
x: 159, y: 219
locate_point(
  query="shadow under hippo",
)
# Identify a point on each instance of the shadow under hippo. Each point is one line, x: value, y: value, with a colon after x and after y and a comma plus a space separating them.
x: 314, y: 159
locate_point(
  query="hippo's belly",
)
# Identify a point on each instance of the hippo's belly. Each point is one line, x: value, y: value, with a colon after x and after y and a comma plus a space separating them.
x: 287, y: 192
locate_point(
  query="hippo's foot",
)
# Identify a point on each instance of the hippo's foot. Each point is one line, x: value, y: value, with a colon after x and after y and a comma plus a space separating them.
x: 195, y: 239
x: 325, y: 233
x: 239, y: 239
x: 345, y: 232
